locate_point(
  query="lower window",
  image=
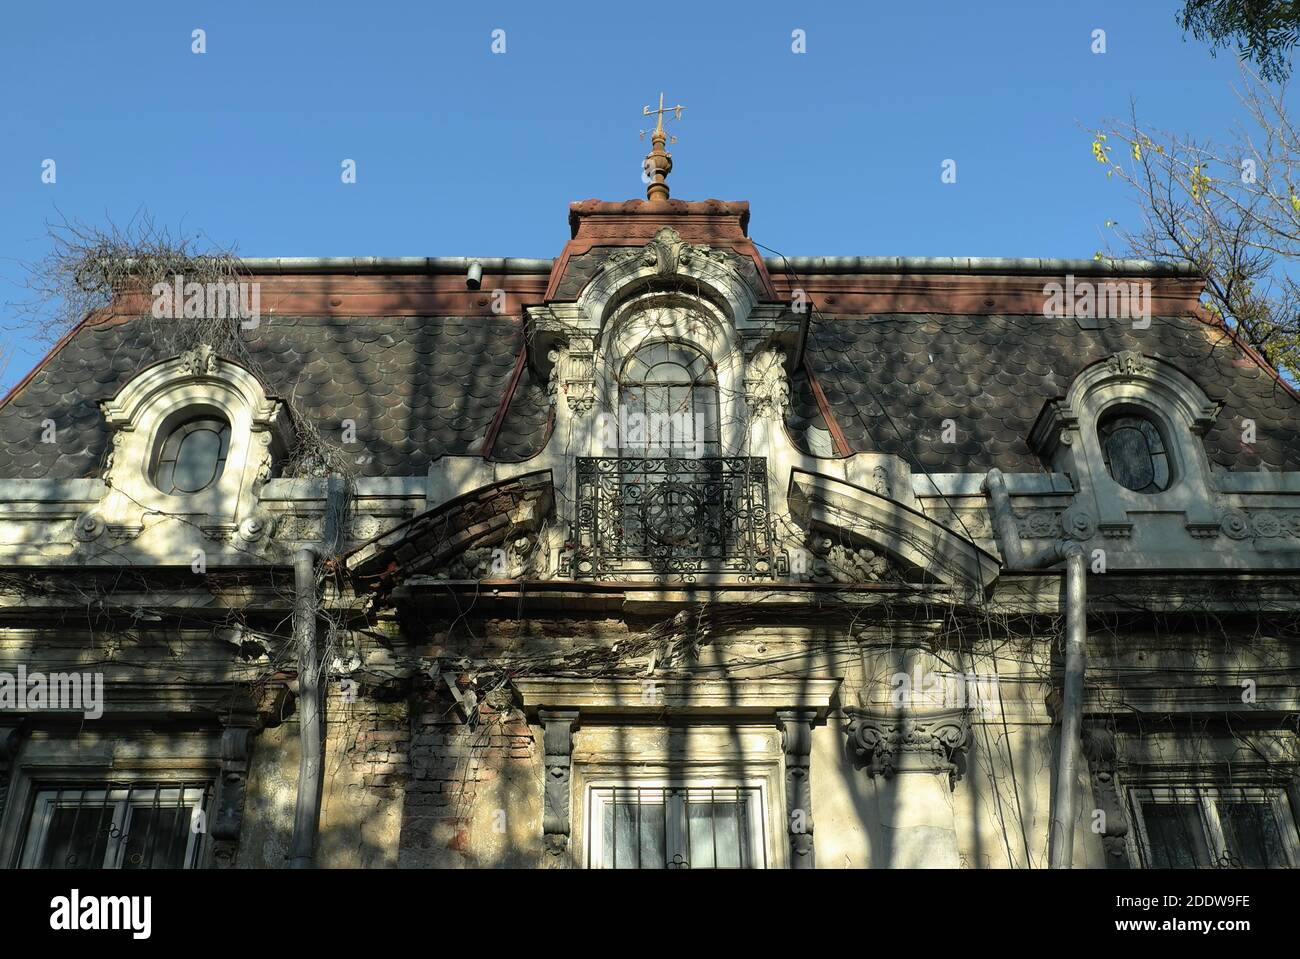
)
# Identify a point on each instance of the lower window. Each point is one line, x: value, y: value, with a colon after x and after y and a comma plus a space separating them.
x: 136, y: 826
x: 686, y: 827
x: 1203, y: 828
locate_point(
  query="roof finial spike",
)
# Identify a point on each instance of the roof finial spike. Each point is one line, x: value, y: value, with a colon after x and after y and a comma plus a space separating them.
x: 658, y: 162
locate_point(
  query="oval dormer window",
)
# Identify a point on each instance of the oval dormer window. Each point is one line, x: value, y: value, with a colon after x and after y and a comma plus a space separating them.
x: 1134, y: 452
x: 193, y: 456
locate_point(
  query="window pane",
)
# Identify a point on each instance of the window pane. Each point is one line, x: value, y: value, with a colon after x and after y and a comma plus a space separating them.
x: 157, y: 837
x: 196, y: 461
x: 1130, y: 459
x: 634, y: 831
x: 1177, y: 840
x: 1251, y: 834
x: 78, y: 837
x: 654, y: 844
x: 699, y: 821
x: 1134, y: 453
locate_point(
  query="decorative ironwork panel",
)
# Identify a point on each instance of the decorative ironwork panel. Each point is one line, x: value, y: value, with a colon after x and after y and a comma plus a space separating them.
x: 675, y: 519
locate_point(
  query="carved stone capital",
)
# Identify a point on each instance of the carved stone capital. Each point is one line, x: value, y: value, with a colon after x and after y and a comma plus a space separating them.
x: 573, y: 373
x: 767, y: 388
x: 557, y: 741
x: 906, y: 741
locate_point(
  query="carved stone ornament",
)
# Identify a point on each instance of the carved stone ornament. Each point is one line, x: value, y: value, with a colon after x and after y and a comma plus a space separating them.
x: 668, y: 252
x: 236, y: 747
x: 1078, y: 524
x: 573, y: 374
x: 905, y: 741
x: 1099, y: 747
x: 1128, y: 363
x: 89, y: 528
x: 558, y: 726
x: 767, y: 388
x: 1235, y: 524
x: 255, y: 529
x: 796, y: 727
x: 200, y: 361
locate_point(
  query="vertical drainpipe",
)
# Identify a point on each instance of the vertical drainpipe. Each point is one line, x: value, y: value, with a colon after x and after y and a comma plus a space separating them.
x: 1061, y: 828
x: 1061, y: 838
x: 306, y: 816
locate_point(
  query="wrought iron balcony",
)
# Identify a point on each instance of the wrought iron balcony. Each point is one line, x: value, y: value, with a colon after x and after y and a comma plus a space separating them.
x: 674, y: 519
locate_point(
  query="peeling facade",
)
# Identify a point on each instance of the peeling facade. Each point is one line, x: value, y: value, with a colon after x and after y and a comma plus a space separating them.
x: 661, y: 554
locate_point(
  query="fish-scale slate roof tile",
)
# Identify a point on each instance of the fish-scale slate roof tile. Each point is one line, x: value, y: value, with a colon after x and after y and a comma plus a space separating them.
x: 421, y: 387
x: 891, y: 381
x: 416, y: 387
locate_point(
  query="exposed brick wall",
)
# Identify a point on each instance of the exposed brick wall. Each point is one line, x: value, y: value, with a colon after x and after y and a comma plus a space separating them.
x: 462, y: 803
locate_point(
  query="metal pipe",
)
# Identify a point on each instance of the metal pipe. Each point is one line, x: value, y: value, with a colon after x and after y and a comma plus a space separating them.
x: 1060, y: 840
x: 306, y: 817
x: 1004, y: 519
x: 1061, y: 837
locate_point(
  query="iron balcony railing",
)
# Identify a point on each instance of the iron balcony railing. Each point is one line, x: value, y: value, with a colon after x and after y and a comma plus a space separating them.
x: 673, y: 519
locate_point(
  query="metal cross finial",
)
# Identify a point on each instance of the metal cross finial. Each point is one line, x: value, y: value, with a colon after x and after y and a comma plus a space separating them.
x: 676, y: 111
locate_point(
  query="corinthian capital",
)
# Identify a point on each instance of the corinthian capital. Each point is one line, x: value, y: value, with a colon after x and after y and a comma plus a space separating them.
x: 907, y: 741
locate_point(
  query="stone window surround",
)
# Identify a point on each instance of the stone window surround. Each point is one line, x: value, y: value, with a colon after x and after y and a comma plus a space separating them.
x: 151, y: 405
x: 774, y: 715
x: 638, y: 322
x: 1066, y: 435
x: 763, y: 776
x: 1206, y: 796
x: 46, y: 760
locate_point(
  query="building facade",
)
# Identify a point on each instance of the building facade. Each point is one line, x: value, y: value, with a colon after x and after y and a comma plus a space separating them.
x: 660, y: 554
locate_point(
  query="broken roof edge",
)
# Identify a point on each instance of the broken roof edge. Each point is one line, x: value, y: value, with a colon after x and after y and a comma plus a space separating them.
x: 975, y: 264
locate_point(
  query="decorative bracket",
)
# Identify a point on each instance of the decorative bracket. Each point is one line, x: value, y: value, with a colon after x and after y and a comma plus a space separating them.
x: 236, y: 748
x: 796, y: 727
x: 558, y: 725
x: 1099, y: 747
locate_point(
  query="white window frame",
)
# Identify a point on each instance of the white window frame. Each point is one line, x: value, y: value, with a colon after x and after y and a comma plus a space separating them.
x: 1206, y: 799
x: 124, y: 801
x: 599, y: 795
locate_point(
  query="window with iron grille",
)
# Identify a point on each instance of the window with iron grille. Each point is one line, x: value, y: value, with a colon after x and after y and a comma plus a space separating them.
x: 684, y: 827
x: 1214, y: 828
x: 117, y: 826
x: 674, y: 518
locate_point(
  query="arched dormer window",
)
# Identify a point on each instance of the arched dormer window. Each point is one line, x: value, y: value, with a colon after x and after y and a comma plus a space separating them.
x: 668, y: 403
x: 1128, y: 427
x: 194, y: 437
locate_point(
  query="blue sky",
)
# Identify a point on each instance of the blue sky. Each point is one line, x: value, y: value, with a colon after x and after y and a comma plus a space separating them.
x: 460, y: 151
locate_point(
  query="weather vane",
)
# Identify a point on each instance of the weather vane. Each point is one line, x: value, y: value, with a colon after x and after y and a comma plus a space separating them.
x: 658, y: 162
x: 659, y: 117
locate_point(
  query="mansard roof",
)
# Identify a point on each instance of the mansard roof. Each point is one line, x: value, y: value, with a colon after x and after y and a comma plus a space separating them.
x: 419, y: 387
x: 426, y: 364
